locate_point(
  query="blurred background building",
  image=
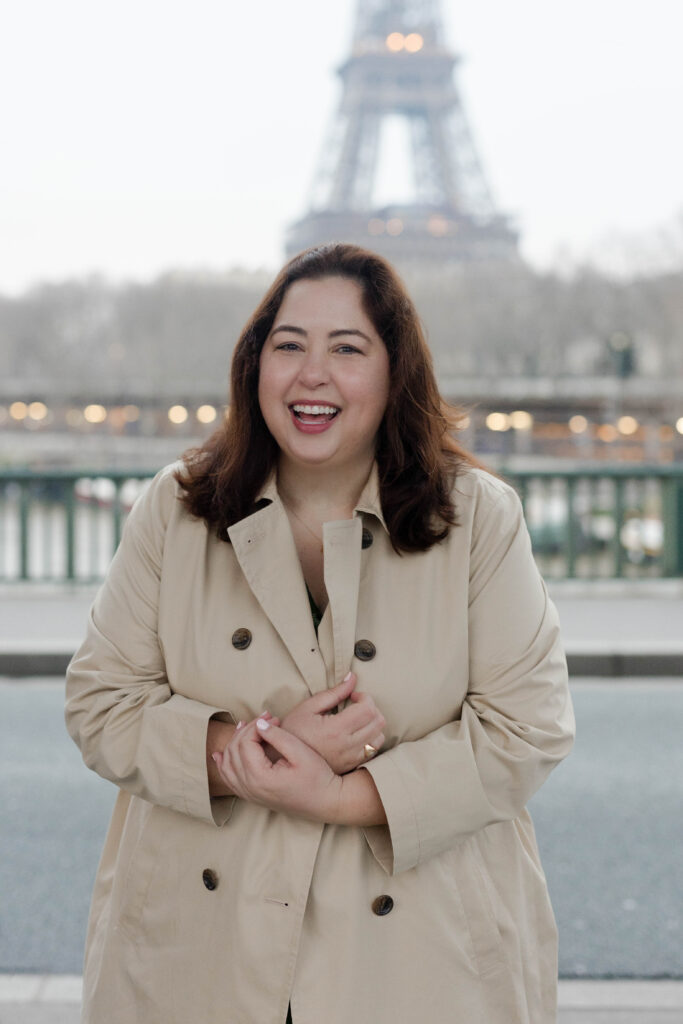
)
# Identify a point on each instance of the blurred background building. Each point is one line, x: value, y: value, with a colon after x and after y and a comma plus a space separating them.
x: 399, y: 78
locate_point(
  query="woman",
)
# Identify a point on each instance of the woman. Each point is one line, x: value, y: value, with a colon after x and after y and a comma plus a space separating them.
x: 330, y: 549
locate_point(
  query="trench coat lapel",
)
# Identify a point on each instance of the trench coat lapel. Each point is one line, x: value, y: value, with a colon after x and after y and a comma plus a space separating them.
x: 342, y: 545
x: 265, y: 549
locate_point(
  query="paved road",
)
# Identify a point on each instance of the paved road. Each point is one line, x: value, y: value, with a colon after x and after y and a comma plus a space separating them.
x: 609, y: 824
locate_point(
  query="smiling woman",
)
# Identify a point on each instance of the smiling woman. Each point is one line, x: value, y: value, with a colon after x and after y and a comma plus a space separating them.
x: 324, y: 374
x: 326, y: 676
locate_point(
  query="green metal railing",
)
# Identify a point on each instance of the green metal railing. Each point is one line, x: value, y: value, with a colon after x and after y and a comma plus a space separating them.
x: 63, y: 526
x: 617, y: 521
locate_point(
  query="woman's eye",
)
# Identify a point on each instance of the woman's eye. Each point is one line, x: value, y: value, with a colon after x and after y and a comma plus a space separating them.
x: 288, y: 346
x: 347, y: 348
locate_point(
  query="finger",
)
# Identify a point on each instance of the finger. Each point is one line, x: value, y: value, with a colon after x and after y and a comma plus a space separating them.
x: 371, y: 734
x: 246, y: 730
x: 234, y: 749
x: 286, y: 744
x: 360, y: 697
x: 244, y: 763
x: 224, y: 766
x: 329, y: 699
x: 359, y: 714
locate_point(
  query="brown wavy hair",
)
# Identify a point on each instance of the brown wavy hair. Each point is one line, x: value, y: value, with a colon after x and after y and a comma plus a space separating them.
x: 417, y: 455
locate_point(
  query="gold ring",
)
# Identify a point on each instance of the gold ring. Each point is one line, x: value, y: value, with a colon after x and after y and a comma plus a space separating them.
x: 370, y: 751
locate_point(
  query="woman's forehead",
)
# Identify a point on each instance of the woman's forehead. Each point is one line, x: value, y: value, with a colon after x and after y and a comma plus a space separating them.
x: 335, y: 301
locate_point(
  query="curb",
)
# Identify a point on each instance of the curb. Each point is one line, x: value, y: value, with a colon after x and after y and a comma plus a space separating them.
x: 19, y: 663
x: 584, y: 994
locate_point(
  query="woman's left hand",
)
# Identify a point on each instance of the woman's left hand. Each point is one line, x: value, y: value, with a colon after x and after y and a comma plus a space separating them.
x: 299, y: 782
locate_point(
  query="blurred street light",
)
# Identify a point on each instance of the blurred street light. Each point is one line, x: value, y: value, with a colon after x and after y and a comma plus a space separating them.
x: 18, y: 410
x: 95, y: 413
x: 607, y: 432
x: 498, y: 421
x: 521, y: 420
x: 206, y: 413
x: 627, y: 425
x: 37, y: 410
x: 578, y: 424
x: 177, y: 414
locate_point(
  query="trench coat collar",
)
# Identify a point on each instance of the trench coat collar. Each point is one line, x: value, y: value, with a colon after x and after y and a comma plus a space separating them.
x: 368, y: 502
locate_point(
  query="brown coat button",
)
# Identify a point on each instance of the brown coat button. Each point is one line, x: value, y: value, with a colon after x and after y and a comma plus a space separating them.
x: 241, y: 639
x: 210, y: 879
x: 364, y: 650
x: 367, y: 538
x: 382, y: 905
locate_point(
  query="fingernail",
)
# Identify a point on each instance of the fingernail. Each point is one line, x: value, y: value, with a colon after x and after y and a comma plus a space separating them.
x: 262, y: 724
x: 265, y: 714
x: 216, y: 757
x: 239, y: 725
x: 346, y: 677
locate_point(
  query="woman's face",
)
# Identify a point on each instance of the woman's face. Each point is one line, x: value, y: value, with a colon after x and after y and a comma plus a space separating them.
x: 324, y: 375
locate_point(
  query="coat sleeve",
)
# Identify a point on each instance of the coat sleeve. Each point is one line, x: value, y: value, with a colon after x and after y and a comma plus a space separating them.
x: 516, y: 722
x: 120, y: 710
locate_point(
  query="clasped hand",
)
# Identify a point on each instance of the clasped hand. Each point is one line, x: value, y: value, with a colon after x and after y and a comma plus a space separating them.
x: 297, y: 765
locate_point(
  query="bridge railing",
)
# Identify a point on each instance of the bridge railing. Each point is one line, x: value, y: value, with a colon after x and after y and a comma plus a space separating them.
x: 621, y: 521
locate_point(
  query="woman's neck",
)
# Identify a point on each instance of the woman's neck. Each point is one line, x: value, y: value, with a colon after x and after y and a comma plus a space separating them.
x: 321, y: 489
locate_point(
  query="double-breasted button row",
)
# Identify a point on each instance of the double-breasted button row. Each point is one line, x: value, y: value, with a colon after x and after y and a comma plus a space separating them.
x: 364, y: 650
x: 382, y: 905
x: 241, y: 639
x: 210, y: 879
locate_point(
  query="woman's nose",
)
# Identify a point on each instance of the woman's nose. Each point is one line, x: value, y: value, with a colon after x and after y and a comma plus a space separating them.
x: 315, y: 369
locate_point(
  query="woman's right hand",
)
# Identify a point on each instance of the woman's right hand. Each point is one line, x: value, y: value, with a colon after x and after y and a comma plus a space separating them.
x: 340, y: 739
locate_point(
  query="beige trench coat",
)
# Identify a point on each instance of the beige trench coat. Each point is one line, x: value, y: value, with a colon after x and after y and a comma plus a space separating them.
x: 209, y: 911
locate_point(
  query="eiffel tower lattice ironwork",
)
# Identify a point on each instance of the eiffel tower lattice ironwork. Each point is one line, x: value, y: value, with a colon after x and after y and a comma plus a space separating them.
x: 400, y: 67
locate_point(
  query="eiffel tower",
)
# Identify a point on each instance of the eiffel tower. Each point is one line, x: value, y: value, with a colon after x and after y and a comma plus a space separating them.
x: 400, y: 68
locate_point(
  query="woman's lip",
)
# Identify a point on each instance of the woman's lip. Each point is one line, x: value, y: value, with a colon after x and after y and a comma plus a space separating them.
x: 311, y: 428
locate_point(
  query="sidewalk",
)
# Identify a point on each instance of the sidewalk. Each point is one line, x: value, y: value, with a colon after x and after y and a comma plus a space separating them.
x: 611, y: 628
x: 54, y: 999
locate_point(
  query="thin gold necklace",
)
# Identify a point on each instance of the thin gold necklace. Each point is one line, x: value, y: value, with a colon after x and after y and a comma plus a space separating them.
x: 303, y: 523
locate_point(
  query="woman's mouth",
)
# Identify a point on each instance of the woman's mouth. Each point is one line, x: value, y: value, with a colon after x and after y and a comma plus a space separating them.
x: 313, y: 418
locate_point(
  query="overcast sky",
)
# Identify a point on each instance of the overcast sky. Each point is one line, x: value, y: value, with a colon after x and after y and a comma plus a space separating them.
x: 139, y: 135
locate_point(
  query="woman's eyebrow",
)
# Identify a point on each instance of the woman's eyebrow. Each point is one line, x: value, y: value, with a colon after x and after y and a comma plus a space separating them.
x: 333, y: 334
x: 288, y: 327
x: 349, y: 330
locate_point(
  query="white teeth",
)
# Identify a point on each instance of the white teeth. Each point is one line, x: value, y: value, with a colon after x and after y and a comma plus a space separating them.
x: 316, y: 410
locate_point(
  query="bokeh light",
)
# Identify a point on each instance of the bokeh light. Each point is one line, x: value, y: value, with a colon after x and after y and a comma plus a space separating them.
x: 627, y: 425
x: 37, y: 410
x: 608, y: 432
x: 95, y: 413
x: 177, y: 414
x: 578, y: 424
x: 206, y: 413
x: 521, y: 420
x: 18, y: 410
x: 413, y: 42
x: 498, y: 421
